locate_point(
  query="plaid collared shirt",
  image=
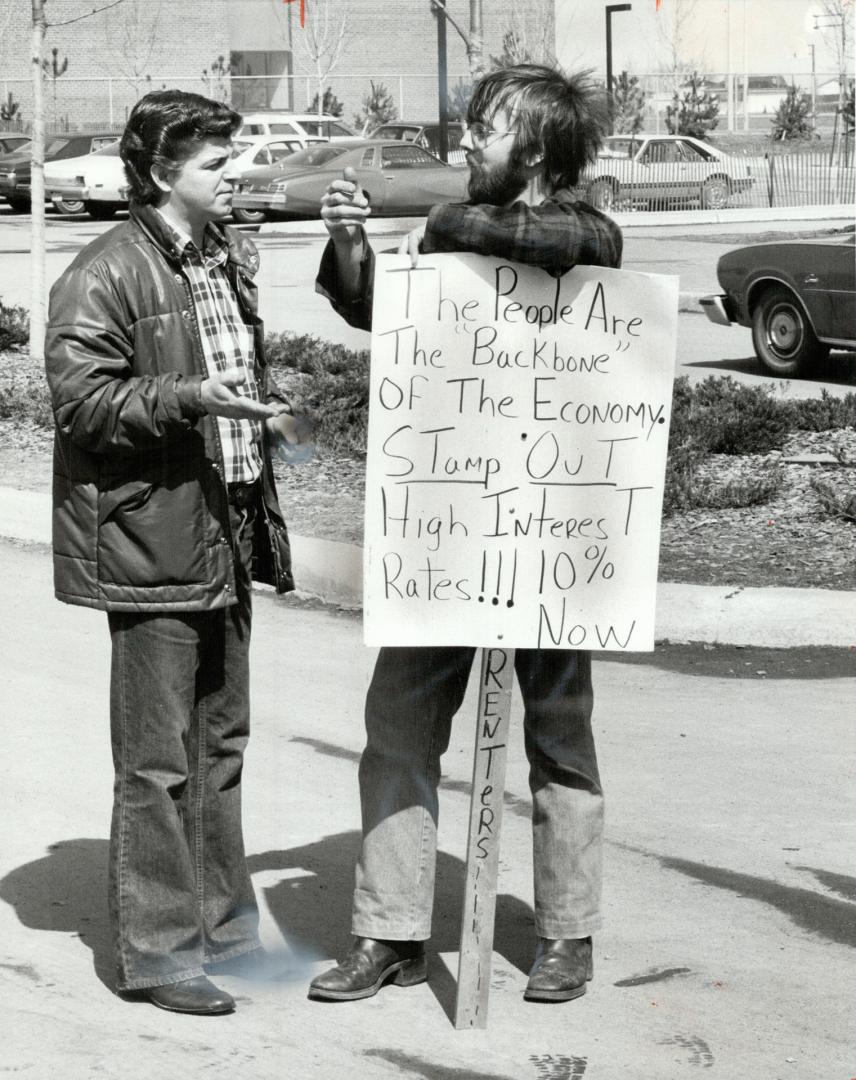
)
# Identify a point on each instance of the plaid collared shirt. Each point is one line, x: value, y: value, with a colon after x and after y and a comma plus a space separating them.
x: 227, y: 342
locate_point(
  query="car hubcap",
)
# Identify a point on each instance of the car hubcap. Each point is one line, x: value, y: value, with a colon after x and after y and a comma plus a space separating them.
x: 785, y: 331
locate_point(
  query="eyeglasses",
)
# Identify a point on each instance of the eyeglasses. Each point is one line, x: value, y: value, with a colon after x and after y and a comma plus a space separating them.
x: 481, y: 132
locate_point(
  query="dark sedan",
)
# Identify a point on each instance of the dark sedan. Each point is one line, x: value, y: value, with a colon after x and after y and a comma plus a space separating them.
x: 397, y: 178
x: 798, y: 296
x: 15, y: 168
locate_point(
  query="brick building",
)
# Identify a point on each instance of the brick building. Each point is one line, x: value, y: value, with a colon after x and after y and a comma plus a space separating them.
x: 252, y: 52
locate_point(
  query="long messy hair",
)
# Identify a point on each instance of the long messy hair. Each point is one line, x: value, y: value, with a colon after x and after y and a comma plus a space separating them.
x: 558, y: 117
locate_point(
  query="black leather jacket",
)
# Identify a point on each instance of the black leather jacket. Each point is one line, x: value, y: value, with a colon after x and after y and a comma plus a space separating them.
x: 140, y: 519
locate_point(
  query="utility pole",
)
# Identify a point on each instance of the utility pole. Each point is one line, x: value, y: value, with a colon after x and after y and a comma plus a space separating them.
x: 475, y: 48
x: 37, y: 188
x: 442, y: 85
x: 610, y: 8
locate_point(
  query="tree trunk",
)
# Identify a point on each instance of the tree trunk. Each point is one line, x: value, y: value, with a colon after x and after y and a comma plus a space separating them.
x: 475, y: 48
x: 37, y: 189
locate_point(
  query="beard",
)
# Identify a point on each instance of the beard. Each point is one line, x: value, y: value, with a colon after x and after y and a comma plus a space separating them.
x: 497, y: 185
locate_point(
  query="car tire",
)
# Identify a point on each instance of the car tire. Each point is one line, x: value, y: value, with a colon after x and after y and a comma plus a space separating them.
x: 68, y: 207
x: 249, y: 217
x: 714, y: 193
x: 784, y: 340
x: 601, y: 194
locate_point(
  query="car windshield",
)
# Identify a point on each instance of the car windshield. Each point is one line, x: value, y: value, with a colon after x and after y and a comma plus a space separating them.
x: 54, y: 146
x: 395, y: 131
x: 313, y: 157
x: 620, y: 148
x: 330, y: 129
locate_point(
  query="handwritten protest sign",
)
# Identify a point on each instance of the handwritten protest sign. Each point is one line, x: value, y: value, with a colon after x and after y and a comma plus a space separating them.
x: 517, y: 444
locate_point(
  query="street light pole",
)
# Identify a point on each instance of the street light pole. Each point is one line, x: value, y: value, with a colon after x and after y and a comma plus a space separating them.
x: 442, y: 82
x: 610, y: 8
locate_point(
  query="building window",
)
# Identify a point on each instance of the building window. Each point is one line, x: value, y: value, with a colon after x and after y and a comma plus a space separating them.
x: 260, y: 80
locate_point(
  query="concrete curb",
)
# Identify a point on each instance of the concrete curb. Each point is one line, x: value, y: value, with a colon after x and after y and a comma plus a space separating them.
x: 786, y: 215
x: 775, y: 618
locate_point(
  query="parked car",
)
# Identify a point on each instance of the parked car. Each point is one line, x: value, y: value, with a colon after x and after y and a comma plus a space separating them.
x: 397, y: 178
x: 798, y: 296
x: 12, y: 140
x: 662, y: 169
x: 255, y: 151
x: 303, y: 126
x: 95, y: 183
x: 15, y: 167
x: 425, y: 133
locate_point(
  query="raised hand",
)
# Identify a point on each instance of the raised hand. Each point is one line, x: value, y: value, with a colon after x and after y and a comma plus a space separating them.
x: 344, y: 209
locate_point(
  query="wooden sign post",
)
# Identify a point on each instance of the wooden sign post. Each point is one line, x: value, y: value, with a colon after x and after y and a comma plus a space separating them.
x: 489, y: 758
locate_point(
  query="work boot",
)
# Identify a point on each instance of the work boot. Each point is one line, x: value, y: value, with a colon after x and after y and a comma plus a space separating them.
x: 198, y: 996
x: 369, y: 965
x: 562, y: 968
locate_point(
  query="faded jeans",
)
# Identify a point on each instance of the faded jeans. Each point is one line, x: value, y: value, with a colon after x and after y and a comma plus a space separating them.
x: 180, y: 894
x: 413, y: 696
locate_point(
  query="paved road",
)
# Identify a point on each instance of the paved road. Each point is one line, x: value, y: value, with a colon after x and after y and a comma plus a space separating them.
x: 730, y: 922
x: 289, y: 302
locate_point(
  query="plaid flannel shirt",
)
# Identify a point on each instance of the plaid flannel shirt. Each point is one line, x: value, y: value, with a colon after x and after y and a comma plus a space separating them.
x: 227, y: 342
x: 558, y: 233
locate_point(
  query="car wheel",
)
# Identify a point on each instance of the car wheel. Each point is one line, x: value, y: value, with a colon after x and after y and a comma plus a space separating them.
x: 99, y: 211
x: 714, y: 193
x: 783, y: 338
x: 601, y: 195
x: 249, y: 217
x: 68, y: 207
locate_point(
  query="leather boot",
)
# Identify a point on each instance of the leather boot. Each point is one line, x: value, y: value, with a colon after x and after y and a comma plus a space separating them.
x: 562, y: 969
x: 366, y: 968
x: 198, y: 996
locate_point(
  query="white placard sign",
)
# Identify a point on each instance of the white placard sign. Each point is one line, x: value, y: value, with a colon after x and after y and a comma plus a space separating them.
x: 518, y: 426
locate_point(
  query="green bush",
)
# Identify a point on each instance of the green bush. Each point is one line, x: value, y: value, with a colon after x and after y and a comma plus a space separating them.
x: 329, y: 381
x: 720, y: 416
x: 826, y: 413
x: 14, y: 326
x: 837, y: 500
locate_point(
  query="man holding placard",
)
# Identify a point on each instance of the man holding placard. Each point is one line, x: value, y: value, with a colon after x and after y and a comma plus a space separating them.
x: 530, y: 131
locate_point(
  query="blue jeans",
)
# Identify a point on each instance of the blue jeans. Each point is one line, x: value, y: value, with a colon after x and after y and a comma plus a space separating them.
x: 179, y: 890
x: 413, y: 696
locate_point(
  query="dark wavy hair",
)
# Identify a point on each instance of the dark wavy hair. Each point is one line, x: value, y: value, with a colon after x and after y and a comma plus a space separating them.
x: 562, y: 118
x: 164, y: 129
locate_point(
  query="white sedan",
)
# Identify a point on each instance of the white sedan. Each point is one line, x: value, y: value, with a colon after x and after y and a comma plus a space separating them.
x: 95, y: 183
x: 662, y: 170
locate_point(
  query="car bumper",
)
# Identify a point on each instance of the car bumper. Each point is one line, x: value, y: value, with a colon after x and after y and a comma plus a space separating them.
x: 67, y: 190
x: 718, y: 309
x: 259, y: 200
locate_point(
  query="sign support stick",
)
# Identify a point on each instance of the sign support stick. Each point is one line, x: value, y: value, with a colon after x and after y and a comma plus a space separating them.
x: 488, y: 788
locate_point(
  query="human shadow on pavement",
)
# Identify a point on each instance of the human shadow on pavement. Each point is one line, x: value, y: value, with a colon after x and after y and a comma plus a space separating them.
x: 66, y: 892
x: 313, y: 910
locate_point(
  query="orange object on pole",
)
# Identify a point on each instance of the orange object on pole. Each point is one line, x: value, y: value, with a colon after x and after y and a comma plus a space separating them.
x: 303, y: 9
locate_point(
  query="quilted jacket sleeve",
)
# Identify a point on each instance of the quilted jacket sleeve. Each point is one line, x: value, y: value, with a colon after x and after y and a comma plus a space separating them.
x: 98, y: 400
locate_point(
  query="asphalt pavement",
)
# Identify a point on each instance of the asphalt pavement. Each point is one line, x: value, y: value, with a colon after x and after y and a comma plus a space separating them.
x: 729, y: 906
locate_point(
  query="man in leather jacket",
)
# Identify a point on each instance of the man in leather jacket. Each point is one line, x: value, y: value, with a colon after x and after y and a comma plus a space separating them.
x: 164, y: 508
